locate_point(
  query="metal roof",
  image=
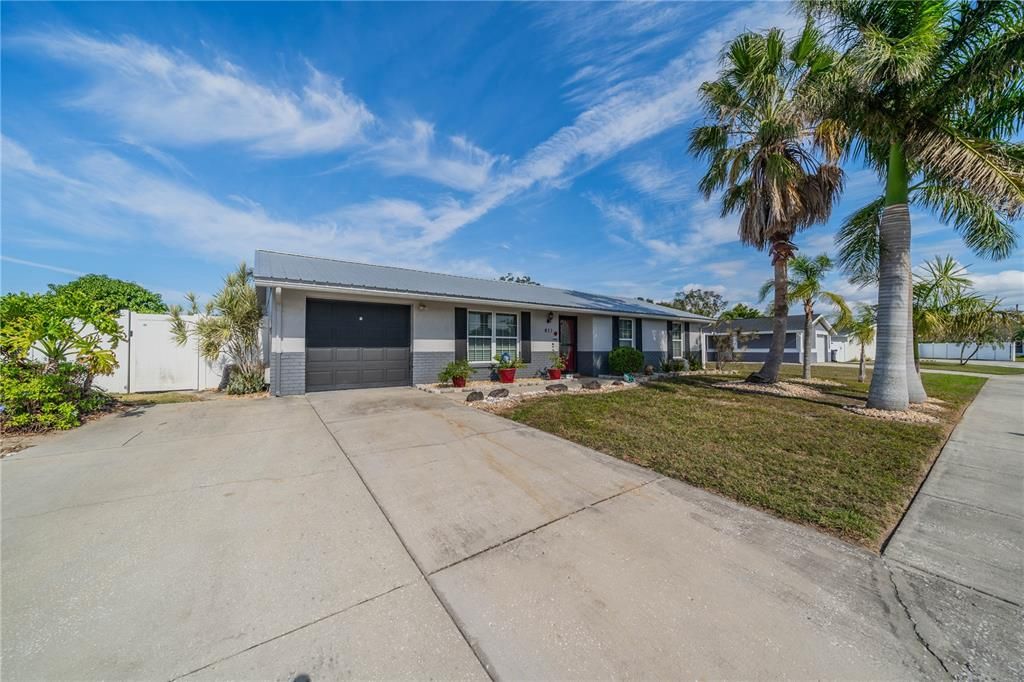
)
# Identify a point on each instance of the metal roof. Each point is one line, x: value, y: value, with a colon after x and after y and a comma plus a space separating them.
x: 794, y: 323
x: 273, y: 267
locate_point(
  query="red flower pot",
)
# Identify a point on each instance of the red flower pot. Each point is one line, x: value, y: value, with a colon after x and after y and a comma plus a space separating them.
x: 459, y: 382
x: 507, y: 376
x: 554, y: 374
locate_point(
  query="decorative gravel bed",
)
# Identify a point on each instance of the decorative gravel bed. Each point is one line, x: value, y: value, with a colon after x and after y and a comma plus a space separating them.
x: 911, y: 416
x: 782, y: 388
x: 816, y: 382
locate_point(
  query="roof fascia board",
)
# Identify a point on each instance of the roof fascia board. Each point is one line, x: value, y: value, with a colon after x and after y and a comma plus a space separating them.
x: 307, y: 286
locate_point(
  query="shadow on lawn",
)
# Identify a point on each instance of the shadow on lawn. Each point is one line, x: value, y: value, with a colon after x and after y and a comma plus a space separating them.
x: 844, y: 395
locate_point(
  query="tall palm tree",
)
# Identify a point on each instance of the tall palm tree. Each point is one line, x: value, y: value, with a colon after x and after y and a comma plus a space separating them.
x: 807, y: 286
x: 765, y: 155
x: 935, y: 92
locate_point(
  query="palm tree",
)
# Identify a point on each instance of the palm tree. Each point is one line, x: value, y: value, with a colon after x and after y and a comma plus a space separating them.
x: 765, y: 155
x: 807, y: 285
x: 230, y: 327
x: 938, y: 287
x: 862, y: 329
x: 934, y: 94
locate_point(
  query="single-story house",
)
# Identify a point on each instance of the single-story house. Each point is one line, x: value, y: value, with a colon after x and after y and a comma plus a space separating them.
x: 757, y: 335
x: 335, y: 324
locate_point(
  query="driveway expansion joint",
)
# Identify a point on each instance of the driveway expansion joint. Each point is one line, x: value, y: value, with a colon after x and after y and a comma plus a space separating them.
x: 444, y: 604
x: 292, y: 631
x: 947, y: 579
x: 542, y: 526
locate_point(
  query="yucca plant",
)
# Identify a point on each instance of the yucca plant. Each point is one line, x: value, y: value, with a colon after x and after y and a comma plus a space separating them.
x: 765, y: 154
x: 807, y: 287
x: 933, y: 96
x: 228, y: 329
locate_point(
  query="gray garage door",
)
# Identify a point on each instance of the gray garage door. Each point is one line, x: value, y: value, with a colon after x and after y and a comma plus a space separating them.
x: 356, y: 345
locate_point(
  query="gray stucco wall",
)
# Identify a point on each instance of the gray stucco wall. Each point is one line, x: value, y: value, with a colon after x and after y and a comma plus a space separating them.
x: 592, y: 363
x: 426, y: 365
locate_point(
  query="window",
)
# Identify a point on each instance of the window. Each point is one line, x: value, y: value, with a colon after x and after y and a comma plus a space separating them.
x: 491, y: 334
x: 677, y: 340
x: 626, y: 333
x: 479, y: 337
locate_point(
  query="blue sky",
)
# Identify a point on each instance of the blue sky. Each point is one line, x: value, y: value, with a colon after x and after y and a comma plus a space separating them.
x: 163, y: 143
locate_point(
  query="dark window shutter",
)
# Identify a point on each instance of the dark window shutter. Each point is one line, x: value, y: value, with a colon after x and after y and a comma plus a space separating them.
x: 525, y: 351
x: 668, y: 338
x: 615, y: 332
x: 686, y: 339
x: 638, y: 334
x: 460, y: 334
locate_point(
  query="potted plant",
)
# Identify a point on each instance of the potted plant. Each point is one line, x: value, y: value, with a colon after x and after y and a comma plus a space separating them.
x: 557, y: 365
x: 507, y: 366
x: 455, y: 372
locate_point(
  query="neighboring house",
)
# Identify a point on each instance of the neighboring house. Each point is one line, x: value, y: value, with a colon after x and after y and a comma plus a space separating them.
x: 337, y: 324
x: 757, y: 335
x: 845, y: 348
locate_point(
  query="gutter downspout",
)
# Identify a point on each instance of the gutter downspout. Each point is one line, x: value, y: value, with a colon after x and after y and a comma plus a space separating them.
x: 276, y: 329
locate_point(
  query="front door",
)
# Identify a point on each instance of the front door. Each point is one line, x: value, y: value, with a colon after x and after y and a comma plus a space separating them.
x: 567, y: 341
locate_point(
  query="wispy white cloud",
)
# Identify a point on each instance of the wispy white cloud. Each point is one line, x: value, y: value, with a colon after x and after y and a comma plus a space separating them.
x: 169, y: 98
x: 417, y: 151
x: 656, y: 179
x: 1007, y: 285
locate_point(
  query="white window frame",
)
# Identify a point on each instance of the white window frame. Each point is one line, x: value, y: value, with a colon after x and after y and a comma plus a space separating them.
x: 677, y: 328
x: 494, y: 334
x: 629, y: 342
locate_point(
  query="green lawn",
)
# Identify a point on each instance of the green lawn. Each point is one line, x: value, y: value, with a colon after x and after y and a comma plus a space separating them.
x: 809, y: 461
x: 972, y: 369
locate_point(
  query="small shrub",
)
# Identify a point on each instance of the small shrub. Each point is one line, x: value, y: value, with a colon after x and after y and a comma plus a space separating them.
x: 678, y: 365
x: 696, y: 364
x: 625, y: 359
x: 241, y: 381
x: 457, y: 369
x: 35, y: 400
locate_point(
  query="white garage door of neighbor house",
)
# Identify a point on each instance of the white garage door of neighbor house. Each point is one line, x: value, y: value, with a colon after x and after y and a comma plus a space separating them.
x: 821, y: 348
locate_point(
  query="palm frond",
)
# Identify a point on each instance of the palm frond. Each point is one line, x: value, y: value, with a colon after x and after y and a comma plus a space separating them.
x: 859, y: 243
x: 989, y: 168
x: 983, y: 230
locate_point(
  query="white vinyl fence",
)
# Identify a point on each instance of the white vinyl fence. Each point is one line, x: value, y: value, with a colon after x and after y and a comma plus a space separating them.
x: 951, y: 351
x: 150, y: 360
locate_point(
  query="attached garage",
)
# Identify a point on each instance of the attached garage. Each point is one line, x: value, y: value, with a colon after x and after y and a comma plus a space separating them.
x: 356, y: 345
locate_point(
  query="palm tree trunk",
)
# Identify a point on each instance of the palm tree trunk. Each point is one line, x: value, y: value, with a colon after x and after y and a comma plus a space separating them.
x: 808, y: 337
x: 862, y: 372
x: 769, y: 372
x: 889, y: 389
x: 915, y: 389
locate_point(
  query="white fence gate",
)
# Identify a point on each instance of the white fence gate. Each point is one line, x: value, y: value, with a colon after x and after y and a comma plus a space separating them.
x: 150, y: 360
x: 951, y: 351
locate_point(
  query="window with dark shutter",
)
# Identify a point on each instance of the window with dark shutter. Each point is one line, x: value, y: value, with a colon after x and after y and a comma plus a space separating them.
x: 525, y: 350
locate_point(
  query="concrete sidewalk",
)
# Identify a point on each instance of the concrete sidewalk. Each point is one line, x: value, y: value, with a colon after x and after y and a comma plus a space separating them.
x: 957, y: 559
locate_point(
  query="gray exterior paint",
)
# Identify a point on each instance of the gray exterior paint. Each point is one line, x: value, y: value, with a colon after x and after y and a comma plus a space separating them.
x: 592, y: 363
x: 655, y: 358
x: 291, y: 379
x: 755, y: 357
x: 427, y: 365
x: 281, y: 268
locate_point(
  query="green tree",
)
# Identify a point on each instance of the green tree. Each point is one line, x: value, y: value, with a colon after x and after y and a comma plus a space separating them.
x: 230, y: 326
x: 517, y: 279
x: 807, y: 286
x: 766, y: 154
x: 699, y: 302
x: 113, y: 295
x: 740, y: 311
x: 861, y: 328
x: 932, y: 98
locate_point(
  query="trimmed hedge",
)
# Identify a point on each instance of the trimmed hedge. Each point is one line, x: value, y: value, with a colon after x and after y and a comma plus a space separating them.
x: 625, y: 359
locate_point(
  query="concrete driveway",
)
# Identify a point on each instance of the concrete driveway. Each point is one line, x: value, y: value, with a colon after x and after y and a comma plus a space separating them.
x: 390, y: 533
